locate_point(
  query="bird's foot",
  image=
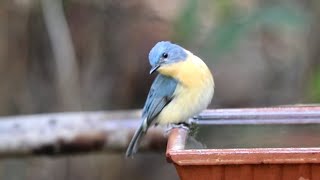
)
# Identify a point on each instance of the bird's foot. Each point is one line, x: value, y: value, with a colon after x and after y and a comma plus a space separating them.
x: 182, y: 125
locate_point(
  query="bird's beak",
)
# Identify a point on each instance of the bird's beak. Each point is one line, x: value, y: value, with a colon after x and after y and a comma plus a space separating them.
x: 154, y: 68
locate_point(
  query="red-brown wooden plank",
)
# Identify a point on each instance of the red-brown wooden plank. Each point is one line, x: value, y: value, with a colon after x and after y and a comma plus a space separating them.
x: 243, y: 172
x: 267, y: 172
x: 315, y: 171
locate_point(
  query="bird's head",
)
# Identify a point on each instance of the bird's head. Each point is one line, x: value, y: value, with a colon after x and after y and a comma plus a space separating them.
x: 165, y: 53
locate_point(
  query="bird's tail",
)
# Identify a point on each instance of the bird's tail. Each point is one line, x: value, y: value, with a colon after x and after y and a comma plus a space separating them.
x: 135, y: 141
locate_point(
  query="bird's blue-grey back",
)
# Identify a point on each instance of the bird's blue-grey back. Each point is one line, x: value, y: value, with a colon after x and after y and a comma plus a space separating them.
x: 160, y: 94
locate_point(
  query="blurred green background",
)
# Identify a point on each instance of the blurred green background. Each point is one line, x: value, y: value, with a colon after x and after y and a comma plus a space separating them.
x: 76, y: 55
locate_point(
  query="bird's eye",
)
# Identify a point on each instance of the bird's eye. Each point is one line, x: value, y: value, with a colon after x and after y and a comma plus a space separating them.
x: 164, y: 55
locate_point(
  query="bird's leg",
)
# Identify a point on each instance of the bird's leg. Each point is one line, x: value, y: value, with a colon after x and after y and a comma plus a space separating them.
x: 182, y: 125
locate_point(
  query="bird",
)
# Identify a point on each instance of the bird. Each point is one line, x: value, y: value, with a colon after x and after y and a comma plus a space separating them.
x: 182, y: 89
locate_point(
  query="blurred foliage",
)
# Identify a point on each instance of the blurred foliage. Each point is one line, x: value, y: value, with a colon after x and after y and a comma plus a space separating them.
x: 314, y: 78
x: 188, y: 23
x: 233, y: 24
x: 314, y: 89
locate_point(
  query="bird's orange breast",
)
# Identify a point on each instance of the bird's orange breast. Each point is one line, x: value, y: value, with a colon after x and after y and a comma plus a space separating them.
x: 193, y: 92
x: 190, y: 72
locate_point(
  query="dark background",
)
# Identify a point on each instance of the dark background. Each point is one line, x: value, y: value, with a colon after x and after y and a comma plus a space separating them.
x: 92, y: 55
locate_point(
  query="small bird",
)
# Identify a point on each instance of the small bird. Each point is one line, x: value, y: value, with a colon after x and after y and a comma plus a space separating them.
x: 182, y: 89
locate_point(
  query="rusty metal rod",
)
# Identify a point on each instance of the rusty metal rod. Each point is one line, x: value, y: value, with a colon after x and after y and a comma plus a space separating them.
x: 274, y: 115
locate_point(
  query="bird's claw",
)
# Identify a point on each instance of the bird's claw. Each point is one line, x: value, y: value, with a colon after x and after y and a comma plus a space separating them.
x: 183, y: 125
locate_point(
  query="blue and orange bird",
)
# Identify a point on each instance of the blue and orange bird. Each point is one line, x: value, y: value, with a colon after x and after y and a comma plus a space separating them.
x: 182, y: 89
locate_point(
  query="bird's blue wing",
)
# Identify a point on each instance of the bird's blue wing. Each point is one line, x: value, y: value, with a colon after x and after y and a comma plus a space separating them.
x: 160, y: 94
